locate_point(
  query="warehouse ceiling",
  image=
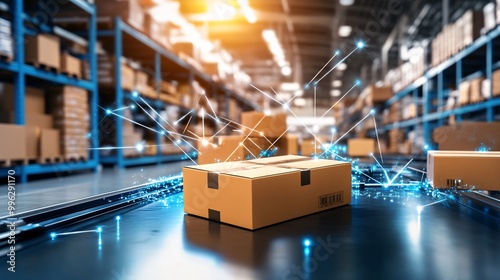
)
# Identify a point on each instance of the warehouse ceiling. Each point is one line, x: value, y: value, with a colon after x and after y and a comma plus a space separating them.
x: 309, y: 33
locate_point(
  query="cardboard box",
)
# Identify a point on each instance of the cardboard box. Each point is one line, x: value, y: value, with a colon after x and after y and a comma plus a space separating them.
x: 468, y: 136
x: 379, y: 94
x: 71, y: 65
x: 13, y: 143
x: 311, y: 147
x: 464, y: 170
x: 130, y: 10
x: 32, y: 142
x: 49, y: 143
x: 288, y: 145
x: 39, y: 120
x: 259, y: 193
x: 229, y: 148
x: 34, y: 99
x: 360, y: 147
x: 43, y: 49
x: 258, y: 124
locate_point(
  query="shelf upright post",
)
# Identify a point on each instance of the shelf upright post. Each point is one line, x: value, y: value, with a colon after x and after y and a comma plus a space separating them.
x: 440, y: 96
x: 19, y: 80
x: 458, y: 77
x: 119, y: 91
x: 92, y: 58
x: 489, y: 73
x: 19, y: 77
x: 425, y: 112
x: 158, y: 103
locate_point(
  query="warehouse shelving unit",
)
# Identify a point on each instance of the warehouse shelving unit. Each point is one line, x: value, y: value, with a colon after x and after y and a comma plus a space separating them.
x: 22, y: 72
x: 127, y: 41
x: 431, y: 89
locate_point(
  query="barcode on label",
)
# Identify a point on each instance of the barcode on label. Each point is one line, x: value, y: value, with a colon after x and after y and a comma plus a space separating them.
x: 330, y: 199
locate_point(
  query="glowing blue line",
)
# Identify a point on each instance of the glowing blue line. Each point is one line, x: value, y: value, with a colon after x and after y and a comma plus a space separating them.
x: 378, y: 140
x: 266, y: 94
x: 331, y: 108
x: 367, y: 176
x: 275, y: 141
x: 400, y: 171
x: 326, y: 64
x: 218, y: 132
x: 253, y: 129
x: 348, y: 131
x: 123, y: 108
x: 336, y: 65
x: 315, y: 143
x: 184, y: 131
x: 385, y: 172
x: 74, y: 232
x: 435, y: 202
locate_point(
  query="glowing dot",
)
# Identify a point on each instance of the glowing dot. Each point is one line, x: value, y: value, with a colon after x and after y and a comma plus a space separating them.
x: 373, y: 111
x: 307, y: 242
x: 139, y: 147
x: 135, y: 93
x: 162, y: 133
x: 419, y: 209
x: 204, y: 142
x: 241, y: 144
x: 306, y: 86
x: 360, y: 44
x: 53, y: 235
x: 386, y: 186
x: 99, y: 229
x: 118, y: 218
x: 337, y: 52
x: 426, y: 147
x: 358, y: 82
x: 108, y: 111
x: 178, y: 141
x: 285, y: 106
x: 132, y: 106
x: 261, y: 133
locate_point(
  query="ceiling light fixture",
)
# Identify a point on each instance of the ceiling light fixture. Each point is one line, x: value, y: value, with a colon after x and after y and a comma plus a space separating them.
x: 342, y: 67
x: 345, y: 31
x: 337, y: 83
x: 335, y: 93
x: 346, y: 2
x: 276, y: 49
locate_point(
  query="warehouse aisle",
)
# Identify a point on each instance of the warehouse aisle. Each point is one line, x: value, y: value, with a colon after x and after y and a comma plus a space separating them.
x: 43, y: 193
x: 379, y: 236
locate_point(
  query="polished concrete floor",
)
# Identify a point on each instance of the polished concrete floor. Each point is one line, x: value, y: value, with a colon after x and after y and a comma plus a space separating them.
x: 379, y: 236
x: 43, y: 193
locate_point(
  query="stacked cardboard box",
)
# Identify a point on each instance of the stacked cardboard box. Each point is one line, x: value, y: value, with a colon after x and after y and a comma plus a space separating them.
x: 106, y: 73
x: 70, y: 108
x: 6, y: 40
x: 71, y: 65
x: 495, y: 83
x: 468, y: 136
x: 311, y: 147
x: 234, y: 110
x: 396, y: 137
x: 131, y: 136
x: 464, y: 170
x: 246, y: 194
x: 231, y: 148
x: 464, y: 93
x: 476, y: 92
x: 13, y: 148
x: 456, y: 36
x: 142, y: 85
x: 360, y: 147
x: 129, y: 10
x: 376, y: 94
x: 42, y: 51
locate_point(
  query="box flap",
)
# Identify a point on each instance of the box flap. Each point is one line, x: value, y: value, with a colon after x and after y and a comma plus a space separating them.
x: 214, y: 167
x: 261, y: 171
x: 278, y: 159
x: 313, y: 163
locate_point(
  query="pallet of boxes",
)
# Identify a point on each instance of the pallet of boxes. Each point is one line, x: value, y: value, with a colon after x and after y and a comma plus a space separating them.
x: 35, y: 142
x: 70, y: 108
x: 262, y: 136
x: 6, y: 41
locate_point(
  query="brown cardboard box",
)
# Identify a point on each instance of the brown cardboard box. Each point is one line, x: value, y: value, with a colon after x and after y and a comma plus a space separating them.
x: 13, y: 143
x: 229, y: 148
x: 106, y: 73
x: 256, y: 194
x: 311, y: 147
x: 288, y: 145
x: 71, y: 65
x: 379, y: 94
x: 464, y: 170
x: 34, y: 99
x: 258, y: 124
x: 130, y: 10
x: 32, y: 142
x: 43, y: 49
x: 49, y: 143
x: 468, y: 136
x: 360, y: 147
x: 39, y: 120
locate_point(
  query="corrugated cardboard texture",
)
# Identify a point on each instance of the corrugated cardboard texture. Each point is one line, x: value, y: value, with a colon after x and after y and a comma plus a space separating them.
x: 360, y: 147
x: 252, y: 195
x: 464, y: 170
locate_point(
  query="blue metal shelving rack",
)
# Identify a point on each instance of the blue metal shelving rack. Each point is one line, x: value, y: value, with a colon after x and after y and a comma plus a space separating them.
x: 431, y: 88
x: 120, y: 28
x: 21, y: 71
